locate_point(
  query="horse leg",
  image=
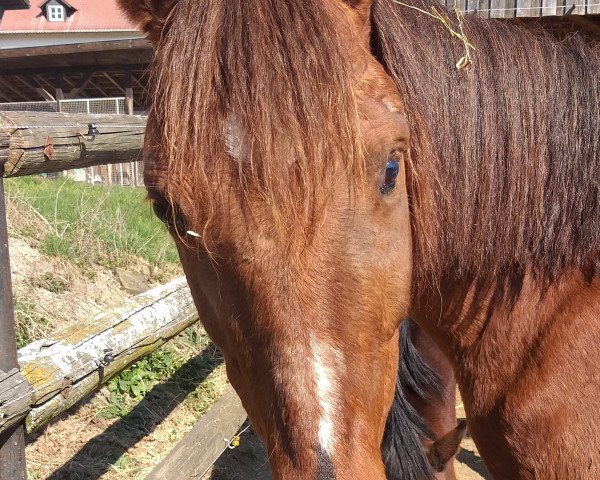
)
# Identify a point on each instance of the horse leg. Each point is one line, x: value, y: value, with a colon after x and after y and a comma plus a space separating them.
x: 437, y: 406
x: 423, y: 412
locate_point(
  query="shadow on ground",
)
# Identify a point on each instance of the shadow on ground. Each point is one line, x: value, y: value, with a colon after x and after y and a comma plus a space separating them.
x: 474, y: 462
x: 110, y: 445
x: 247, y: 462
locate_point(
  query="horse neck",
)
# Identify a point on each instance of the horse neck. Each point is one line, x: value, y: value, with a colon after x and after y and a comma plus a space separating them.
x: 505, y: 158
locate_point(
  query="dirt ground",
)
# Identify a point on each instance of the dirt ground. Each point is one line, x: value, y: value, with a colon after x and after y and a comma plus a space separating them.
x: 249, y: 460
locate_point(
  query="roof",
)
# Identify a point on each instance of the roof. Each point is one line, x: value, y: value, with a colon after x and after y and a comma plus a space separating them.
x: 89, y: 16
x: 13, y: 4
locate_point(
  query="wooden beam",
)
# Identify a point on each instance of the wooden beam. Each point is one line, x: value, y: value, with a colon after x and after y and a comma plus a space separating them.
x: 114, y: 82
x: 75, y: 361
x: 59, y: 94
x: 129, y: 101
x: 205, y: 443
x: 74, y: 69
x: 25, y: 136
x: 80, y: 85
x: 7, y: 85
x: 45, y: 83
x: 12, y: 441
x: 95, y: 85
x: 138, y: 83
x: 77, y: 48
x: 5, y: 97
x: 67, y: 81
x: 36, y: 85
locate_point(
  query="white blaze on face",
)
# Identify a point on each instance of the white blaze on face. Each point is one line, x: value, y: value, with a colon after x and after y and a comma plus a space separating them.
x: 325, y: 361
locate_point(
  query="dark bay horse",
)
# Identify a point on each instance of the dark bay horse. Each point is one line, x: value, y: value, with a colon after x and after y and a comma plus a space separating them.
x: 326, y: 170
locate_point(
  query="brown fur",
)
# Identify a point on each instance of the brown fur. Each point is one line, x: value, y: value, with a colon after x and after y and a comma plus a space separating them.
x: 150, y: 15
x: 221, y: 72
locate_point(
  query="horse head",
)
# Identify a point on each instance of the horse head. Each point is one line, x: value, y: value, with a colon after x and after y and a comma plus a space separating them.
x: 275, y: 153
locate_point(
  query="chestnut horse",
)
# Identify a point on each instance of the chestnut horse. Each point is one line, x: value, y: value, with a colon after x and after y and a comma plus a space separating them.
x: 327, y: 170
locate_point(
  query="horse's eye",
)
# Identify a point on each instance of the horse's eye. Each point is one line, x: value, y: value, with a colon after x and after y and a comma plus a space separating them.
x: 392, y: 169
x: 170, y: 215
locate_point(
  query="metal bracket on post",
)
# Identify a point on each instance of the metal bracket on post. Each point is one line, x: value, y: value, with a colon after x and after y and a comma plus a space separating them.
x: 12, y: 443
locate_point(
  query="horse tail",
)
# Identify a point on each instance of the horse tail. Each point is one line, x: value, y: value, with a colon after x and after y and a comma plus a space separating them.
x: 401, y: 448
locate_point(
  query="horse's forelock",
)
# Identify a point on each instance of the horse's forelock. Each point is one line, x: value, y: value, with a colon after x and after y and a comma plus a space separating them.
x: 279, y: 69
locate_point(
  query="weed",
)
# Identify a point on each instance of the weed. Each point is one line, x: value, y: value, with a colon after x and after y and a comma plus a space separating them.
x: 131, y: 385
x: 30, y: 324
x: 53, y: 282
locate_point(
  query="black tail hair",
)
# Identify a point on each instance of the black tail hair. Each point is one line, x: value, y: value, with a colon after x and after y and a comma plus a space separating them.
x: 401, y: 448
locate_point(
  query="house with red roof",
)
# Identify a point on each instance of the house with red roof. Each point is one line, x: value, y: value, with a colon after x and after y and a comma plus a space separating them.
x: 60, y: 22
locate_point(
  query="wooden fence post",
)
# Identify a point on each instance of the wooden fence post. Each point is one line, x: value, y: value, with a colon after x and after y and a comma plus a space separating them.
x: 12, y: 443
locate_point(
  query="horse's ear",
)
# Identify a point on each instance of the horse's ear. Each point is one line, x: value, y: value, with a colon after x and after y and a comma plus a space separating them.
x: 149, y: 15
x: 445, y: 448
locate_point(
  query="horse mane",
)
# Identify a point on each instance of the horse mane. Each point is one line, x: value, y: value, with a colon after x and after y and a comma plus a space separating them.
x: 505, y: 173
x: 401, y: 447
x: 279, y: 72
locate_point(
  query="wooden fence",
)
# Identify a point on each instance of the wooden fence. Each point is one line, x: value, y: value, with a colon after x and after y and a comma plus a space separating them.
x: 49, y: 376
x: 526, y: 8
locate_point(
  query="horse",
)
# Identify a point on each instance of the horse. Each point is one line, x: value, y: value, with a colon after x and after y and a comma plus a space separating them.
x: 263, y: 349
x: 329, y: 167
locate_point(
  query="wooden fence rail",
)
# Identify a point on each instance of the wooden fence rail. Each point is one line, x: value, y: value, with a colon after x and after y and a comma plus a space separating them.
x: 45, y: 142
x: 61, y: 370
x: 205, y: 443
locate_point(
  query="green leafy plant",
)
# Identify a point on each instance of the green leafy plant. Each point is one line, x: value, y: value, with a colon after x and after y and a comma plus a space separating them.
x: 132, y: 384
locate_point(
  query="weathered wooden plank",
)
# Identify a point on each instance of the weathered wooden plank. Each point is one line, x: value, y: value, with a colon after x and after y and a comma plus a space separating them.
x: 502, y: 9
x: 75, y: 361
x: 575, y: 7
x: 529, y: 8
x: 482, y: 7
x: 593, y: 7
x: 203, y: 445
x: 552, y: 8
x: 15, y: 397
x: 44, y: 142
x: 461, y: 5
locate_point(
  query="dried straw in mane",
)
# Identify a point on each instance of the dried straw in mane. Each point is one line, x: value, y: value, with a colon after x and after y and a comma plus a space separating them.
x: 506, y: 159
x: 278, y: 70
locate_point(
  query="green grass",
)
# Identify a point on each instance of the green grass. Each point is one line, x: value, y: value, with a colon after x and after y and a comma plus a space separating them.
x: 30, y: 324
x: 84, y: 223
